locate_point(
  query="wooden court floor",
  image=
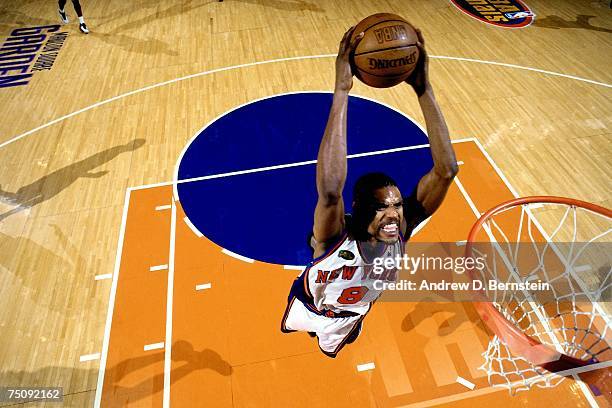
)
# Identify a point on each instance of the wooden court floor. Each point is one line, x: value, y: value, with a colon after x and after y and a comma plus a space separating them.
x: 118, y: 106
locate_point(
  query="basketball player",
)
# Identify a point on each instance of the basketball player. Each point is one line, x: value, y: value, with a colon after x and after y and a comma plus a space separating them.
x: 336, y: 290
x: 77, y: 8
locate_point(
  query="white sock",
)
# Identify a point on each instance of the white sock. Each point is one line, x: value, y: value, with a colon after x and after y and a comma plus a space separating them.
x: 81, y: 20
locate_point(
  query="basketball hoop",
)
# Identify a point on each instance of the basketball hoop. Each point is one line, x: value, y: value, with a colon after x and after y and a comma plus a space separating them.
x: 542, y: 336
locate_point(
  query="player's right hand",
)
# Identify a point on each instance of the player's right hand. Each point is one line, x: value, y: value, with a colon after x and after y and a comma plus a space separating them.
x: 344, y: 75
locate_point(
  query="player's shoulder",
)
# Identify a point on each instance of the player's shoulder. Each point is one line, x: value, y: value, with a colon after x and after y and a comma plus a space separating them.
x: 320, y: 248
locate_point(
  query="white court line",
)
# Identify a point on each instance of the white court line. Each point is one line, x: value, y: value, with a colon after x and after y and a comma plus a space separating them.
x: 586, y: 391
x: 461, y: 243
x: 365, y: 367
x: 468, y: 199
x: 89, y: 357
x: 294, y: 267
x: 111, y: 302
x: 503, y: 64
x: 191, y: 226
x: 158, y: 268
x: 154, y: 346
x: 203, y: 286
x: 583, y: 268
x: 169, y: 183
x: 103, y: 277
x: 169, y: 305
x: 465, y: 382
x: 203, y: 73
x: 420, y: 226
x: 163, y: 207
x: 298, y: 164
x: 147, y: 88
x: 237, y: 256
x: 496, y: 168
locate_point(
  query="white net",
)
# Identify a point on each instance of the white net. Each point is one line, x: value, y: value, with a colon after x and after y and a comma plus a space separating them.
x: 562, y: 252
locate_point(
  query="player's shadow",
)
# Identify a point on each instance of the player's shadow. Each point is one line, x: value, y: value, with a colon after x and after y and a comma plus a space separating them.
x: 52, y: 184
x: 152, y: 13
x: 117, y: 35
x: 284, y: 5
x: 424, y: 310
x: 150, y: 46
x: 65, y: 260
x: 131, y: 44
x: 185, y: 359
x: 428, y: 307
x: 156, y: 16
x: 182, y: 352
x: 18, y: 19
x: 581, y: 22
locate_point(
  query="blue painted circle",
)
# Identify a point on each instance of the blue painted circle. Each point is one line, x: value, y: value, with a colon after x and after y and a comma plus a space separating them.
x: 267, y: 214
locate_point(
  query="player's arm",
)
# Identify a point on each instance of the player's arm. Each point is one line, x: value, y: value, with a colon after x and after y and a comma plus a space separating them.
x: 433, y: 186
x: 331, y: 160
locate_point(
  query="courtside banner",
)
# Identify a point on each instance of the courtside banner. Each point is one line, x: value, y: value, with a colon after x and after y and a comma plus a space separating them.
x: 501, y: 13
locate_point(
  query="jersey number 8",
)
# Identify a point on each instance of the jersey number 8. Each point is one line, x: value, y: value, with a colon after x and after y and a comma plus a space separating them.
x: 352, y: 295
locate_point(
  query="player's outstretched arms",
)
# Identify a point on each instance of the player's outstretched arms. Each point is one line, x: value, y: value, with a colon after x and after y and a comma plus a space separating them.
x: 433, y: 186
x: 331, y: 161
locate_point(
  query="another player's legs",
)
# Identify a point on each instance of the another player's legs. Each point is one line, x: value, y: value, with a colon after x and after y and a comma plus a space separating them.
x: 82, y: 25
x: 62, y: 13
x: 77, y: 7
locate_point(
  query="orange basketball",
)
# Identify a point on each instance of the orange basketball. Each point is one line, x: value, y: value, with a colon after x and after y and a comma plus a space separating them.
x: 387, y: 53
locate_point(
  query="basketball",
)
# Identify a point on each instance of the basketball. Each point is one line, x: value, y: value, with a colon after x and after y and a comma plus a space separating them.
x: 387, y: 53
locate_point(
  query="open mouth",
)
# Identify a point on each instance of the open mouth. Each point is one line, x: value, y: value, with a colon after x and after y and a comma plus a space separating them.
x: 390, y: 229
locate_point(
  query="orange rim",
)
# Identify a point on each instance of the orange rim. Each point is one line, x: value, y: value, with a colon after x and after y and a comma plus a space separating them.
x: 518, y: 342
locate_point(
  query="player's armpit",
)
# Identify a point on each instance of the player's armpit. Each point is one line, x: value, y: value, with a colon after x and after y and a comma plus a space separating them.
x: 414, y: 213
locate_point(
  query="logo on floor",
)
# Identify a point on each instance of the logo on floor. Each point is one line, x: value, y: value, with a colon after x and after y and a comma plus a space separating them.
x: 29, y: 50
x: 501, y: 13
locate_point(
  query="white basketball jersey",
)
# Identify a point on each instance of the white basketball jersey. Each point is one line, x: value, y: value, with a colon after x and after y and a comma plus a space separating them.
x: 343, y: 280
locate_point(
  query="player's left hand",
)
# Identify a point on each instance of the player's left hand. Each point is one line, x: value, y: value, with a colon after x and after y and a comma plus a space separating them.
x: 344, y: 74
x: 419, y: 79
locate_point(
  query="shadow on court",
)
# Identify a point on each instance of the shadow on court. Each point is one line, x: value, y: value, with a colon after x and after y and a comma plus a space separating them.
x: 285, y: 5
x: 18, y: 19
x: 117, y: 37
x: 182, y: 351
x: 52, y: 184
x: 158, y: 15
x: 450, y: 316
x: 65, y: 260
x: 581, y: 22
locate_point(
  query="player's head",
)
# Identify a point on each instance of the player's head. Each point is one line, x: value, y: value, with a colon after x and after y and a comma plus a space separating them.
x: 377, y: 208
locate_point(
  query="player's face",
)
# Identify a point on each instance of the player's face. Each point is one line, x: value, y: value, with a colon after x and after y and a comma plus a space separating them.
x: 389, y: 215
